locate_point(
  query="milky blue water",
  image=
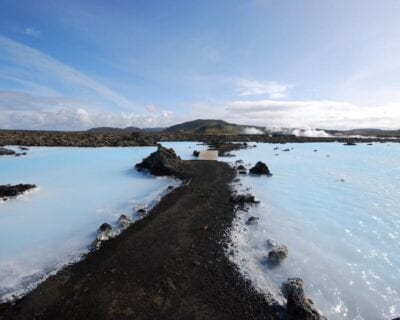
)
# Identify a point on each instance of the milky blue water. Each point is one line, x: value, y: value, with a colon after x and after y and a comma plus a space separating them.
x: 79, y: 189
x: 338, y: 211
x: 338, y: 215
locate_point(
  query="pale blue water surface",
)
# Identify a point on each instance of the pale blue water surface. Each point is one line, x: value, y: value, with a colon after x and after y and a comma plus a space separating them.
x: 79, y: 189
x: 338, y: 211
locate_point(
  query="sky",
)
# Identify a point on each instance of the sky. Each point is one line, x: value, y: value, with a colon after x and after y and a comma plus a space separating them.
x: 77, y: 64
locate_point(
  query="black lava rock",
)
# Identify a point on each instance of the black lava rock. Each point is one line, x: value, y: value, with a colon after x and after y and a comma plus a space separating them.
x: 162, y: 162
x: 298, y: 306
x: 6, y: 152
x: 260, y: 168
x: 12, y: 191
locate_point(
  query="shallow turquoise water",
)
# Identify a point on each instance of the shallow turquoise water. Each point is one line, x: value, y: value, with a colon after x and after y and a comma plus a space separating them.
x: 338, y: 211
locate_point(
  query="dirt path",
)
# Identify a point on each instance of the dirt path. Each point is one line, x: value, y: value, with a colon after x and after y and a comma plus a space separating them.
x: 169, y: 265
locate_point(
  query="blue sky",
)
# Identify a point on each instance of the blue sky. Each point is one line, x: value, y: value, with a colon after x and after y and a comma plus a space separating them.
x: 301, y: 63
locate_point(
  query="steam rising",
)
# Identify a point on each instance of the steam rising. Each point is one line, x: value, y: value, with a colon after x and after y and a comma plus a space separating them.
x: 252, y: 130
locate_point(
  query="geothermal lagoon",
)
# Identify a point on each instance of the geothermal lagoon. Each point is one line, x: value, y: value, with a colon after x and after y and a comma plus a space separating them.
x: 335, y: 207
x: 337, y: 210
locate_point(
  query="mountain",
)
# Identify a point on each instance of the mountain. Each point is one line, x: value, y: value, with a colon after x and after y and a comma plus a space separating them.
x: 209, y: 126
x: 123, y: 130
x: 113, y: 130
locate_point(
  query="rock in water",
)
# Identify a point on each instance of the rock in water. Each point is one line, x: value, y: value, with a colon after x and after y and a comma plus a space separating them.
x: 141, y: 212
x: 13, y: 191
x: 124, y: 221
x: 162, y: 162
x: 104, y: 233
x: 278, y: 253
x: 6, y: 152
x: 252, y: 220
x: 298, y: 306
x: 260, y: 168
x: 196, y: 153
x: 241, y: 199
x: 105, y: 227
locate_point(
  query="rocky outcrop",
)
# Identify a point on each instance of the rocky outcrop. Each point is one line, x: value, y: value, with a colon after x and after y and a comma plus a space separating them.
x: 298, y: 306
x: 252, y: 220
x: 124, y: 221
x: 241, y: 199
x: 141, y: 212
x: 6, y: 152
x: 277, y: 254
x: 261, y: 169
x: 8, y: 190
x: 224, y: 148
x: 162, y: 162
x: 104, y: 233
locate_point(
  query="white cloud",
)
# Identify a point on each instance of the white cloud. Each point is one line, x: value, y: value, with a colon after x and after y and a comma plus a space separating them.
x: 67, y: 118
x: 32, y: 32
x: 314, y: 114
x: 29, y: 64
x: 272, y: 89
x: 151, y: 108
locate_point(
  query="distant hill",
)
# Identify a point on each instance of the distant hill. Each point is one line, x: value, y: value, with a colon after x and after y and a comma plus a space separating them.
x: 209, y: 126
x: 113, y: 130
x: 122, y: 130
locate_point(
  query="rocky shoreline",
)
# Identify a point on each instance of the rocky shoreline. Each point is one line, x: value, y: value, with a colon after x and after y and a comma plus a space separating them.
x: 93, y: 139
x: 169, y: 265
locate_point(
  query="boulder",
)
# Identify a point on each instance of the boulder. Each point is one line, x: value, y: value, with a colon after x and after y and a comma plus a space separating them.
x: 105, y: 227
x: 124, y: 221
x: 141, y: 212
x: 241, y: 199
x: 6, y: 152
x: 104, y: 233
x: 260, y: 168
x: 278, y: 253
x: 252, y: 220
x: 23, y: 148
x: 241, y: 167
x: 162, y: 162
x: 13, y: 191
x: 350, y: 143
x: 196, y: 153
x: 298, y: 306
